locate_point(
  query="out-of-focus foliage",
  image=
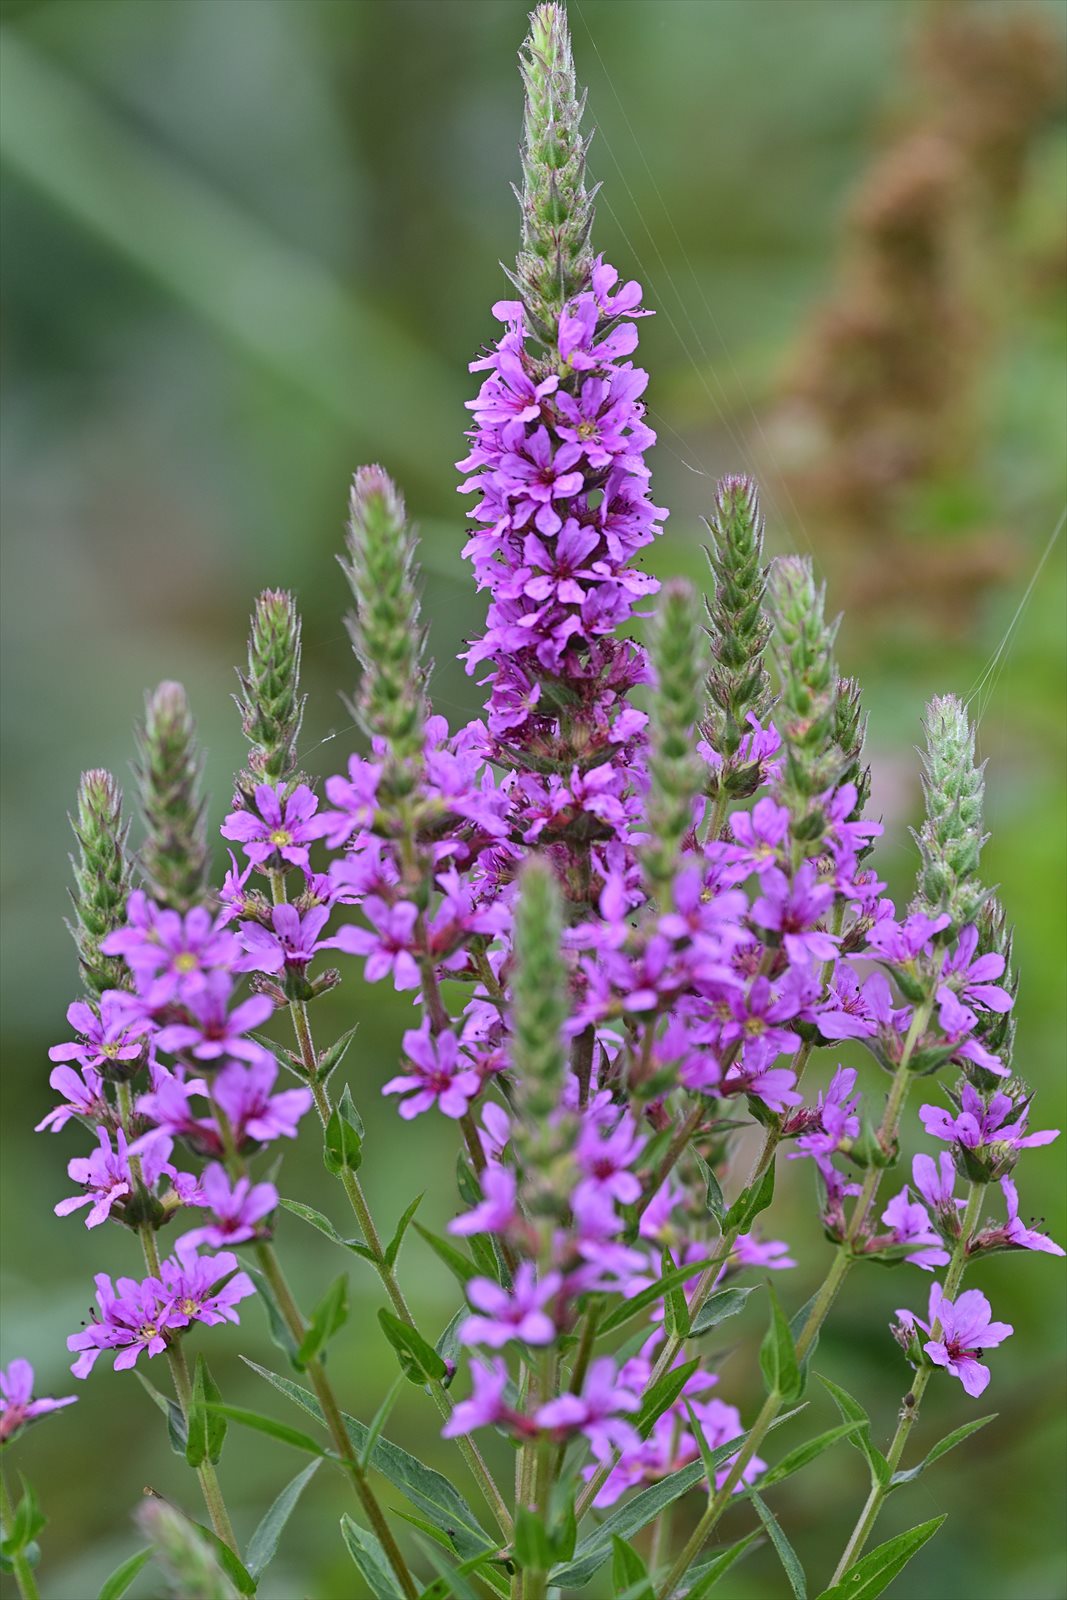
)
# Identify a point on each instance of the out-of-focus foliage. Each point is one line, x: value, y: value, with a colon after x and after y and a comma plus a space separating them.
x: 250, y: 244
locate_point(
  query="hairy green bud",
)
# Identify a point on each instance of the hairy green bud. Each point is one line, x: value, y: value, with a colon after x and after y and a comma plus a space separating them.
x: 850, y: 734
x: 183, y: 1554
x: 738, y: 685
x: 174, y: 856
x: 556, y: 259
x: 538, y: 993
x: 101, y: 880
x: 807, y: 715
x: 270, y: 702
x: 678, y: 656
x: 386, y: 635
x: 950, y: 840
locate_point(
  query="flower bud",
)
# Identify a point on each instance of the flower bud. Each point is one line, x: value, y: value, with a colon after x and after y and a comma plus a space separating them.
x: 101, y: 880
x: 384, y: 628
x: 174, y: 856
x: 950, y: 840
x: 850, y: 733
x: 807, y: 717
x: 677, y: 655
x: 738, y: 685
x: 556, y: 261
x: 270, y: 702
x: 183, y: 1553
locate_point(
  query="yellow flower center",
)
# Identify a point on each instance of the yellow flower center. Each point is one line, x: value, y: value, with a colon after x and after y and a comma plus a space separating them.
x: 281, y: 836
x: 186, y: 962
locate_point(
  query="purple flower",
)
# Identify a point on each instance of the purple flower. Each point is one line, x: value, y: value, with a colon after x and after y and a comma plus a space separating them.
x: 901, y: 942
x: 442, y: 1076
x: 389, y: 948
x: 169, y: 953
x: 909, y: 1223
x: 285, y: 826
x: 17, y: 1405
x: 832, y: 1120
x: 105, y: 1039
x: 980, y: 1123
x: 106, y: 1177
x: 497, y: 1211
x: 770, y: 1254
x: 353, y: 799
x: 958, y: 1331
x: 83, y: 1097
x: 212, y: 1029
x: 518, y: 1314
x: 204, y: 1288
x: 486, y: 1405
x: 244, y: 1095
x: 852, y: 1012
x: 760, y: 835
x: 236, y: 1208
x: 936, y: 1182
x: 793, y: 909
x: 1016, y: 1232
x: 970, y: 978
x: 605, y: 1159
x: 290, y: 943
x: 133, y: 1317
x: 597, y: 1411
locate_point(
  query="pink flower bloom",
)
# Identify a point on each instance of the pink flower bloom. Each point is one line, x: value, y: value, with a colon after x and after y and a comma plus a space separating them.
x: 442, y: 1075
x: 106, y: 1174
x: 107, y: 1038
x: 289, y: 944
x: 959, y: 1330
x: 389, y: 947
x: 204, y: 1288
x: 236, y: 1208
x: 17, y: 1405
x: 598, y: 1411
x: 167, y: 953
x: 84, y: 1097
x: 244, y: 1094
x: 486, y: 1405
x: 212, y: 1029
x: 282, y: 826
x: 519, y: 1314
x: 496, y: 1213
x: 133, y: 1317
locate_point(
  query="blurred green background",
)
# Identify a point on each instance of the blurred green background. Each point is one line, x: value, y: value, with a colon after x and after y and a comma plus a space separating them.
x: 250, y: 244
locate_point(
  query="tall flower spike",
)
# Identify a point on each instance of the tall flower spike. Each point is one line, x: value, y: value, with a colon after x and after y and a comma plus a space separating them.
x: 183, y: 1554
x: 384, y: 628
x: 807, y: 718
x: 738, y: 684
x: 555, y: 262
x: 174, y: 856
x: 678, y: 656
x: 950, y: 840
x: 101, y: 880
x: 539, y: 1008
x: 850, y: 732
x: 270, y: 702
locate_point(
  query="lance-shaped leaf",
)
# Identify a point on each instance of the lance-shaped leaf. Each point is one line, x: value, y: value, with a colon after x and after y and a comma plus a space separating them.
x: 116, y: 1585
x: 317, y: 1220
x: 703, y: 1579
x: 328, y: 1317
x: 778, y: 1356
x: 717, y: 1308
x: 418, y: 1360
x: 366, y: 1551
x: 749, y: 1203
x: 392, y: 1249
x: 942, y: 1448
x: 852, y: 1411
x: 807, y: 1452
x: 431, y: 1493
x: 629, y: 1575
x: 877, y: 1570
x: 273, y: 1429
x: 279, y: 1329
x: 662, y: 1396
x: 264, y: 1542
x: 649, y: 1295
x: 207, y: 1427
x: 461, y: 1266
x: 786, y: 1554
x: 342, y: 1146
x: 176, y: 1428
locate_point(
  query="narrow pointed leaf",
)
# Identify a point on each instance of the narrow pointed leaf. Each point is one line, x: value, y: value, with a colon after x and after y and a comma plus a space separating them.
x: 366, y: 1551
x: 461, y: 1266
x: 876, y: 1571
x: 703, y: 1579
x: 231, y: 1565
x: 628, y: 1572
x: 264, y: 1542
x: 392, y: 1249
x: 852, y: 1411
x: 279, y: 1330
x: 419, y: 1361
x: 807, y: 1452
x: 749, y: 1203
x: 429, y: 1491
x: 176, y: 1430
x: 335, y: 1054
x: 662, y: 1396
x: 949, y: 1442
x: 342, y: 1145
x: 206, y: 1429
x: 115, y: 1586
x: 714, y: 1196
x: 328, y: 1317
x: 649, y: 1296
x: 778, y: 1356
x: 274, y: 1430
x: 786, y: 1554
x: 380, y: 1418
x: 717, y: 1308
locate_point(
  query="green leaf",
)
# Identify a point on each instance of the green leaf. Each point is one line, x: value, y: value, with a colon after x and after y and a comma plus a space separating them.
x: 703, y: 1579
x: 176, y: 1430
x: 649, y: 1296
x: 342, y: 1145
x: 453, y: 1579
x: 949, y: 1442
x: 877, y: 1570
x: 335, y: 1054
x: 316, y: 1219
x: 328, y: 1317
x: 264, y: 1542
x: 778, y: 1356
x: 852, y: 1411
x: 807, y: 1452
x: 392, y: 1249
x: 26, y: 1523
x: 786, y: 1554
x: 419, y: 1361
x: 628, y: 1571
x: 749, y: 1203
x: 279, y: 1330
x: 460, y: 1265
x: 380, y: 1418
x: 531, y: 1546
x: 716, y: 1309
x: 429, y: 1491
x: 231, y: 1565
x: 715, y: 1202
x: 366, y: 1551
x: 115, y: 1586
x: 675, y: 1308
x: 662, y: 1395
x: 275, y: 1430
x: 206, y: 1429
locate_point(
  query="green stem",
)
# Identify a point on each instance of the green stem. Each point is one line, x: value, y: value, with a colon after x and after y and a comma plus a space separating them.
x: 824, y: 1299
x: 210, y: 1487
x: 20, y: 1566
x: 909, y: 1411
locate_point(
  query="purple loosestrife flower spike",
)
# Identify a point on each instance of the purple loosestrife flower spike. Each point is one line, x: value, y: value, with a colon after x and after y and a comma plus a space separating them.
x: 738, y: 684
x: 677, y: 653
x: 270, y: 702
x: 174, y: 856
x: 184, y: 1556
x: 101, y: 880
x: 542, y: 1136
x: 555, y: 262
x: 807, y: 716
x: 950, y: 840
x: 384, y: 628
